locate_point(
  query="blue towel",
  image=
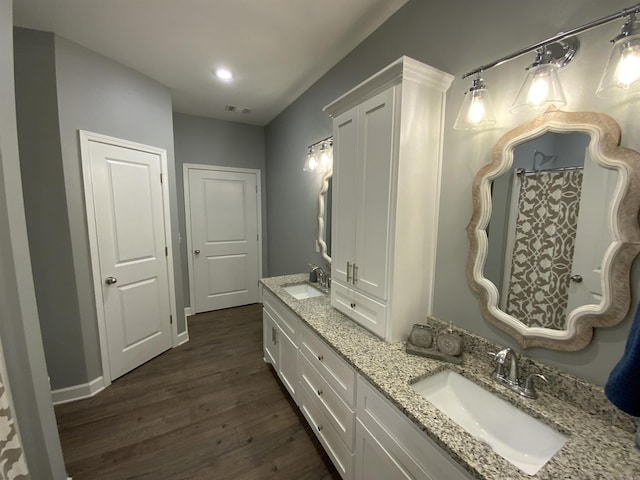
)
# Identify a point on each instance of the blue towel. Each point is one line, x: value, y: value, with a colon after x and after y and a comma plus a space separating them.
x: 623, y: 386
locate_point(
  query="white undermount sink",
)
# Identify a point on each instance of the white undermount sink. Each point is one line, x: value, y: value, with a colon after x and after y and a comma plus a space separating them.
x: 302, y: 291
x: 519, y: 438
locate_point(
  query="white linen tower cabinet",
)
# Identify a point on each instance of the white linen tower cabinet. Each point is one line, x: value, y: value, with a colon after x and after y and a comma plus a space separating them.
x: 386, y: 188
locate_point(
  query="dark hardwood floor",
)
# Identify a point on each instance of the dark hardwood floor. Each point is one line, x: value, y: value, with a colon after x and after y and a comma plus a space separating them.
x: 210, y: 409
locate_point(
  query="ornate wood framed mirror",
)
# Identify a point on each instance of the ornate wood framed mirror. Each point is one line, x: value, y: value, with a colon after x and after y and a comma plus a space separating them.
x: 554, y: 230
x: 324, y: 216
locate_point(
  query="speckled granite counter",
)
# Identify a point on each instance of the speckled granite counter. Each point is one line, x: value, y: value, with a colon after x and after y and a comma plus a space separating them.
x: 600, y: 446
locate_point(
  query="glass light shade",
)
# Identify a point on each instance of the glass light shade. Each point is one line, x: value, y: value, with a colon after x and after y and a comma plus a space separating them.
x: 311, y: 162
x: 476, y: 111
x: 541, y: 88
x: 622, y: 75
x: 325, y: 163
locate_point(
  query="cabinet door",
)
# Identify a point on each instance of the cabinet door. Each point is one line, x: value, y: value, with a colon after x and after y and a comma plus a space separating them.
x: 346, y: 176
x: 269, y: 338
x: 288, y: 364
x: 376, y: 132
x: 373, y: 461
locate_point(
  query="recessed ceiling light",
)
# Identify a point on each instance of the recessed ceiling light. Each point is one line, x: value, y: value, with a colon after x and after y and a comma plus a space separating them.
x: 224, y: 74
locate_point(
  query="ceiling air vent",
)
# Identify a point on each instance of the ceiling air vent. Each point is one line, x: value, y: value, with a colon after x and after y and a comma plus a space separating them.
x: 237, y: 109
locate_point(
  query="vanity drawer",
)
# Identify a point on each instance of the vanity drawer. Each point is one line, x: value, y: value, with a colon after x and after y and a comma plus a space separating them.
x: 342, y: 457
x: 284, y: 317
x: 363, y: 310
x: 411, y: 448
x: 338, y: 413
x: 335, y: 371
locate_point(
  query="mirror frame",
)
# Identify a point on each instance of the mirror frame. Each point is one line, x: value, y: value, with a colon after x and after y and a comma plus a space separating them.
x: 324, y: 186
x: 605, y: 150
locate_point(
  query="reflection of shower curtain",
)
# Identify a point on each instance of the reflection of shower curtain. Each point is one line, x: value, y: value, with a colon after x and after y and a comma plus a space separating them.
x: 12, y: 462
x: 543, y: 248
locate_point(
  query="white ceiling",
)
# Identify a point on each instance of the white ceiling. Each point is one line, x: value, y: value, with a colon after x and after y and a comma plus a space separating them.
x: 276, y: 48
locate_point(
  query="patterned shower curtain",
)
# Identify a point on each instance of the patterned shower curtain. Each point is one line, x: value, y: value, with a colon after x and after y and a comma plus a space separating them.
x: 12, y: 463
x: 542, y: 258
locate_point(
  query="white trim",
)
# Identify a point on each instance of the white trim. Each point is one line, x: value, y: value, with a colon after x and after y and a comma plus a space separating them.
x: 184, y: 336
x: 187, y: 209
x: 78, y: 392
x: 85, y: 138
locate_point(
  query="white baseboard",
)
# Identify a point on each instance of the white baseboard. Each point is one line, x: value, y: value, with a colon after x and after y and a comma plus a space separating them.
x: 184, y: 336
x: 77, y: 392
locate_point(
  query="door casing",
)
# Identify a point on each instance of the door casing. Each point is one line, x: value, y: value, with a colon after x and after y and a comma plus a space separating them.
x: 187, y: 207
x: 85, y: 138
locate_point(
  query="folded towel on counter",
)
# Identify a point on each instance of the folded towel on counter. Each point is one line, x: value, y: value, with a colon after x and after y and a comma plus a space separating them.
x: 623, y: 386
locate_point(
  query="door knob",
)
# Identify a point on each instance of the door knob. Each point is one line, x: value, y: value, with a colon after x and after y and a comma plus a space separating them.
x: 196, y: 251
x: 110, y: 280
x: 576, y: 278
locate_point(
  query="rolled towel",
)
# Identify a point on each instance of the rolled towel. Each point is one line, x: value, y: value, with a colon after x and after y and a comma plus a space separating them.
x: 623, y: 385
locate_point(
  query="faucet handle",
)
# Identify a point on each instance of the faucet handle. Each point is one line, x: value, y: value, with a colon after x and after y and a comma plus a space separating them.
x: 501, y: 356
x: 529, y: 390
x: 498, y: 359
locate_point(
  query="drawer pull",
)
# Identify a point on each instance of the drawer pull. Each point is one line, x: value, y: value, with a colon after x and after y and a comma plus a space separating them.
x: 353, y: 305
x: 321, y: 357
x: 320, y: 392
x: 320, y: 427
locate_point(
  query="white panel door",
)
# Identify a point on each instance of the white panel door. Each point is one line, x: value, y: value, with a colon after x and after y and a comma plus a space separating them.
x: 224, y: 238
x: 376, y: 133
x: 346, y: 176
x: 129, y: 220
x: 593, y: 235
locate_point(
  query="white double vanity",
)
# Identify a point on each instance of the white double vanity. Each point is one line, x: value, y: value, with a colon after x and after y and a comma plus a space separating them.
x: 365, y: 436
x: 340, y: 354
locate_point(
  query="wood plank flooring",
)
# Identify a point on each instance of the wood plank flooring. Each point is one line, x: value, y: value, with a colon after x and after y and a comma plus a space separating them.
x: 209, y: 409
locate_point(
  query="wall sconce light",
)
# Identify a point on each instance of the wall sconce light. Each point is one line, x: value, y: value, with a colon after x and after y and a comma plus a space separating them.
x: 477, y: 110
x: 542, y: 88
x: 319, y: 157
x: 622, y: 74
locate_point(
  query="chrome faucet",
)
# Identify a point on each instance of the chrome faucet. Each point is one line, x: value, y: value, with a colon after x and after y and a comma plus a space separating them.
x: 323, y: 278
x: 512, y: 379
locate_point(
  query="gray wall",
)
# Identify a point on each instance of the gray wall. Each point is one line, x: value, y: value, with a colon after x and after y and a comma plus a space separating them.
x: 207, y: 141
x: 46, y: 206
x: 96, y: 94
x: 455, y: 38
x: 19, y: 327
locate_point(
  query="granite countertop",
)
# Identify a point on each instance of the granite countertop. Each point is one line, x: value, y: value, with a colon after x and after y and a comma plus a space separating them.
x: 598, y: 446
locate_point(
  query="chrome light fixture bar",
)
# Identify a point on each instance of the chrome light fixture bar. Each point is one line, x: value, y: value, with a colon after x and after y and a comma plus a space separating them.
x: 556, y: 38
x: 319, y: 157
x: 542, y: 87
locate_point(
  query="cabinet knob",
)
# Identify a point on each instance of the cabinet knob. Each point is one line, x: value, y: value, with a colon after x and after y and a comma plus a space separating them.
x: 320, y: 392
x: 196, y: 251
x: 320, y: 428
x: 321, y: 357
x: 576, y: 278
x: 110, y: 280
x: 353, y: 305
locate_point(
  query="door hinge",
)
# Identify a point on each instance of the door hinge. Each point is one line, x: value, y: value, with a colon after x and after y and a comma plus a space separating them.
x: 166, y: 251
x: 171, y: 319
